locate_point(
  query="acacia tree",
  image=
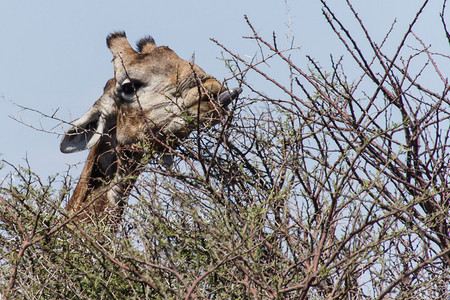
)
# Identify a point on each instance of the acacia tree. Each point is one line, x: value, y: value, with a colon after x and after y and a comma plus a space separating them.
x: 336, y: 188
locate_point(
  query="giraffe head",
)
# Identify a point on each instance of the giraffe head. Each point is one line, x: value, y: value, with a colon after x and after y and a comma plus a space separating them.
x: 154, y: 93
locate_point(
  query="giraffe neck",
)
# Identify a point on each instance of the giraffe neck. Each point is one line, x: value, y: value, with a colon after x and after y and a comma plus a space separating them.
x: 105, y: 183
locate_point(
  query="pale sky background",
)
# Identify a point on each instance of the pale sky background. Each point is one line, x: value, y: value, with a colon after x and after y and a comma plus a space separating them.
x: 53, y: 55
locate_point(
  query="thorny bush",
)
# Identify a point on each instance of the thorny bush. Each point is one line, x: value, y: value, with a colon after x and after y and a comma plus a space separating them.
x: 336, y: 188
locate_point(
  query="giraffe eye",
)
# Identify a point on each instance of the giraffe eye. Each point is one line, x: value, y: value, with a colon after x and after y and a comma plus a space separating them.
x: 128, y: 89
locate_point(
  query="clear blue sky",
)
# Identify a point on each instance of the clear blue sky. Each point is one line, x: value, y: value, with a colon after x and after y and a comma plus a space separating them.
x: 53, y: 55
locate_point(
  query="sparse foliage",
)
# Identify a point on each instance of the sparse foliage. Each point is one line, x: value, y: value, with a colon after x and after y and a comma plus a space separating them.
x: 335, y: 188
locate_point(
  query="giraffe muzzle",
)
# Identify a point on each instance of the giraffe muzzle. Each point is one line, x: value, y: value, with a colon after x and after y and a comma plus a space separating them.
x: 226, y: 97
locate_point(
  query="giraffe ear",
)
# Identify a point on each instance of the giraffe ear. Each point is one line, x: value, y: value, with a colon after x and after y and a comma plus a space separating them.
x: 84, y: 133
